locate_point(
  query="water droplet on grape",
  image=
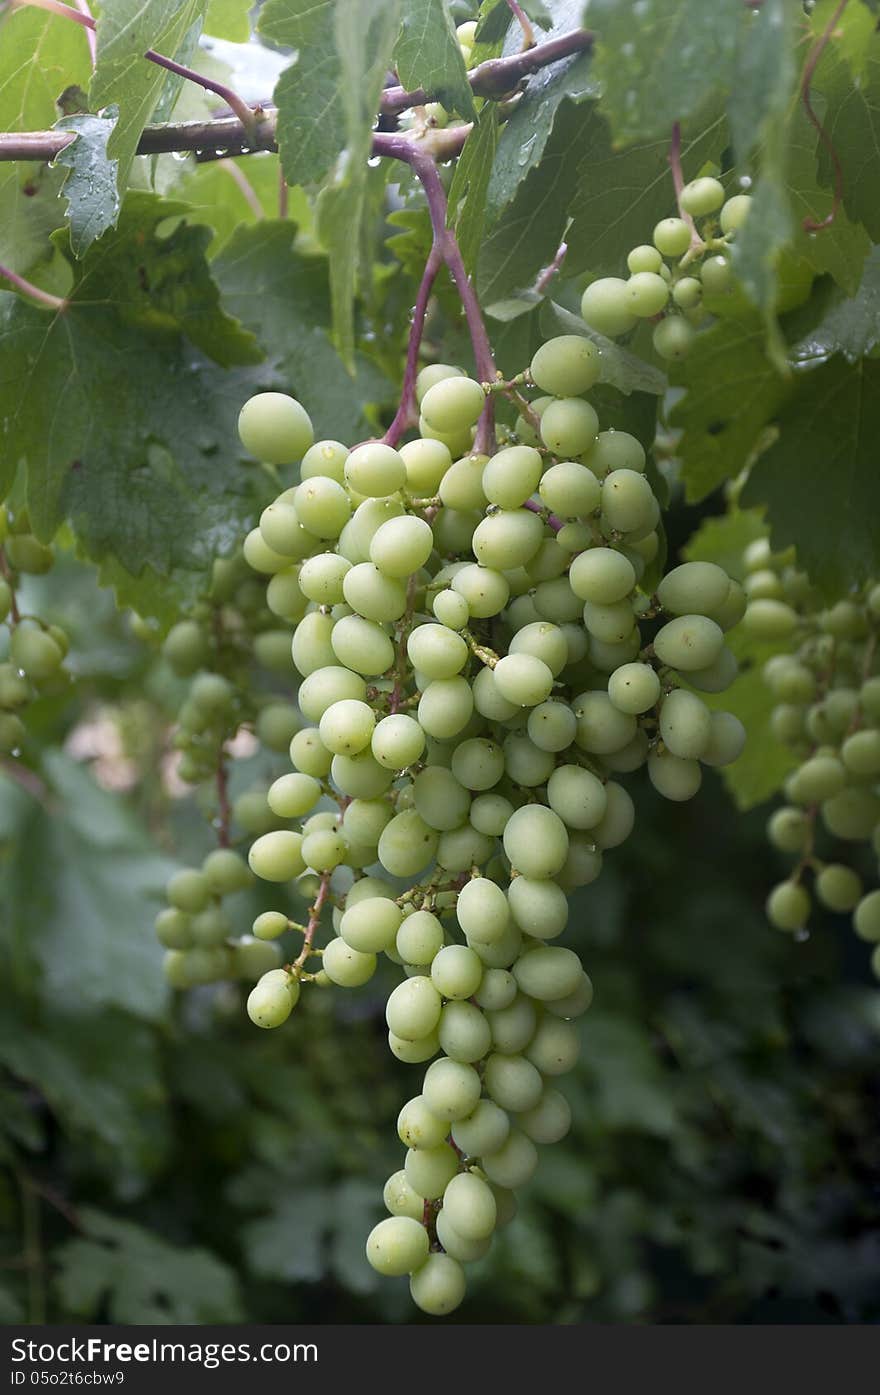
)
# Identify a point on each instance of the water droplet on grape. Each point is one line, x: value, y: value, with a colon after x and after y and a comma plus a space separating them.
x: 801, y: 935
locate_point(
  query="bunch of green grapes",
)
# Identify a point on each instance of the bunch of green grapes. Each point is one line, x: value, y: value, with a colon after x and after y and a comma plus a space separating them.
x: 827, y: 691
x: 32, y: 652
x: 670, y: 278
x: 479, y: 664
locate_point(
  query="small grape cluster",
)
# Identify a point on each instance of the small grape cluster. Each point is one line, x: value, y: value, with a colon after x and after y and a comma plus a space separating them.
x: 35, y: 650
x: 827, y: 692
x: 670, y: 279
x: 478, y: 658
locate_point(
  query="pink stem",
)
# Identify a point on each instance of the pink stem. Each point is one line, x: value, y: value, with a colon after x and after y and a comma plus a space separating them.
x: 812, y: 224
x: 674, y: 159
x: 405, y: 414
x: 248, y: 192
x: 27, y: 288
x: 314, y: 922
x: 91, y: 37
x: 550, y: 271
x: 525, y: 23
x: 553, y: 520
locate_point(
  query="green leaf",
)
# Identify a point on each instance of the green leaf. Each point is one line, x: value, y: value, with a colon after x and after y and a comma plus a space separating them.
x: 763, y: 75
x: 732, y: 391
x: 39, y: 57
x: 427, y: 55
x: 850, y: 327
x: 526, y: 236
x: 620, y: 368
x: 287, y: 1244
x: 621, y: 195
x: 125, y: 428
x: 95, y: 883
x: 852, y: 112
x: 664, y: 63
x: 229, y: 19
x: 311, y: 125
x: 819, y: 480
x: 470, y: 183
x: 283, y: 296
x: 841, y: 246
x: 90, y: 187
x: 123, y: 77
x: 218, y: 201
x: 140, y: 1277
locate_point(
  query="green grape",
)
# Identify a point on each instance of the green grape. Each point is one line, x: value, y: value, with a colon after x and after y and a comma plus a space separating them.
x: 272, y: 649
x: 685, y: 724
x: 34, y: 651
x: 15, y: 691
x: 456, y: 972
x: 277, y: 856
x: 321, y: 578
x: 523, y: 679
x: 569, y: 426
x: 673, y: 777
x: 464, y: 1032
x: 419, y: 1127
x: 470, y: 1207
x: 269, y: 925
x: 539, y: 907
x: 478, y: 764
x: 453, y: 404
x: 512, y: 475
x: 413, y: 1053
x: 788, y: 830
x: 276, y: 725
x: 615, y: 450
x: 861, y: 753
x: 398, y: 1245
x: 439, y: 799
x: 602, y: 576
x: 455, y: 1245
x: 451, y: 1088
x: 646, y: 295
x: 501, y: 953
x: 275, y: 428
x: 188, y: 890
x: 397, y: 741
x: 716, y: 275
x: 430, y: 1170
x: 364, y: 820
x: 254, y: 958
x: 619, y: 818
x: 565, y: 366
x: 482, y: 912
x: 702, y: 196
x: 672, y: 237
x: 866, y: 920
x: 309, y: 754
x: 261, y: 557
x: 226, y: 872
x: 577, y: 796
x: 360, y: 776
x: 324, y: 849
x: 717, y: 676
x: 371, y: 926
x: 451, y: 609
x: 514, y: 1163
x: 601, y: 728
x: 605, y: 307
x: 291, y: 796
x: 186, y: 647
x: 634, y: 688
x: 375, y: 470
x: 838, y: 888
x: 555, y: 1047
x: 483, y: 1131
x: 401, y: 546
x: 869, y: 697
x: 513, y: 1026
x: 696, y: 588
x: 272, y: 1000
x: 445, y: 707
x: 512, y: 1082
x: 462, y: 486
x: 570, y: 490
x: 550, y: 1119
x: 324, y: 458
x: 769, y: 619
x: 400, y: 1199
x: 484, y: 590
x: 173, y: 928
x: 508, y: 538
x: 426, y: 463
x: 283, y: 533
x: 551, y: 726
x: 524, y: 763
x: 360, y: 644
x: 644, y: 258
x: 673, y: 338
x: 347, y: 727
x: 368, y: 517
x: 734, y: 213
x: 251, y: 812
x: 460, y: 849
x: 311, y: 648
x: 413, y: 1009
x: 687, y: 293
x: 497, y: 990
x: 535, y: 841
x: 285, y: 597
x: 609, y: 624
x: 788, y: 906
x: 435, y: 373
x: 548, y: 972
x: 419, y: 938
x: 438, y: 1287
x: 323, y: 506
x: 573, y: 1004
x: 818, y: 779
x: 347, y: 967
x: 689, y: 643
x: 436, y: 651
x: 489, y: 814
x: 852, y: 814
x: 25, y: 553
x: 727, y: 739
x: 325, y: 686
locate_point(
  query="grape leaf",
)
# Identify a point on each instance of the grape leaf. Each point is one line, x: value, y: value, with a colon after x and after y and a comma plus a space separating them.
x: 470, y: 183
x: 620, y: 369
x: 90, y: 187
x: 621, y: 195
x: 140, y: 1277
x: 825, y: 458
x: 732, y: 391
x: 763, y: 75
x: 39, y: 57
x: 229, y: 19
x: 841, y: 246
x: 852, y: 114
x: 427, y: 55
x: 850, y: 327
x: 124, y: 427
x: 284, y: 298
x: 123, y: 77
x: 311, y: 126
x: 660, y: 61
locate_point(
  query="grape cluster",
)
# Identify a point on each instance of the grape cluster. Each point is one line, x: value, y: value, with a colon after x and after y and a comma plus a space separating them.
x: 35, y: 651
x: 827, y: 692
x: 671, y: 278
x: 478, y: 661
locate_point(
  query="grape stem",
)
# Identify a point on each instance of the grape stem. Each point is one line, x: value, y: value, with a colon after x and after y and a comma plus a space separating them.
x: 813, y: 57
x: 674, y: 159
x: 498, y: 76
x: 81, y: 15
x: 406, y: 414
x: 245, y: 186
x: 402, y: 636
x: 551, y: 519
x: 28, y: 779
x: 296, y: 967
x: 550, y: 271
x: 6, y: 573
x: 27, y: 288
x: 525, y: 24
x: 224, y: 811
x: 91, y: 36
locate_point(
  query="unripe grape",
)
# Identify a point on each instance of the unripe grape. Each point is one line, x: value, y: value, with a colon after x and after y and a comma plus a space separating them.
x: 413, y: 1009
x: 456, y: 972
x: 347, y: 967
x: 489, y: 814
x: 188, y: 890
x: 413, y: 1053
x: 464, y: 1032
x: 483, y: 1131
x: 321, y: 578
x: 324, y: 458
x: 359, y: 644
x: 34, y: 651
x: 251, y: 812
x: 402, y: 545
x: 323, y: 506
x: 275, y: 428
x: 347, y: 726
x: 276, y: 725
x: 360, y: 776
x: 523, y: 679
x: 673, y: 777
x: 838, y: 887
x: 687, y: 293
x: 555, y: 1047
x: 324, y: 849
x: 569, y: 426
x: 525, y: 764
x: 309, y: 754
x: 549, y: 1121
x: 788, y: 906
x: 852, y: 814
x: 326, y: 686
x: 435, y: 373
x: 482, y: 912
x: 717, y: 676
x: 861, y: 752
x: 716, y: 275
x: 673, y: 338
x: 818, y: 779
x: 253, y: 959
x: 514, y: 1163
x: 602, y: 728
x: 375, y: 470
x: 566, y: 366
x: 634, y: 688
x: 552, y: 726
x: 698, y: 588
x: 570, y: 489
x: 548, y: 972
x: 371, y: 926
x: 484, y: 590
x: 628, y: 503
x: 769, y: 619
x: 602, y: 576
x: 436, y: 651
x: 508, y: 538
x: 577, y: 796
x: 460, y: 849
x: 689, y: 643
x: 605, y: 307
x: 539, y: 907
x: 445, y: 707
x: 478, y: 764
x: 397, y: 741
x: 615, y: 450
x: 451, y: 609
x: 311, y: 647
x: 685, y: 724
x: 397, y: 1245
x: 512, y: 475
x: 440, y: 799
x: 453, y: 404
x: 277, y: 856
x: 866, y: 921
x: 788, y: 830
x: 173, y: 928
x: 186, y: 647
x: 269, y: 925
x: 535, y: 841
x: 512, y: 1082
x: 574, y: 1004
x: 647, y: 294
x: 226, y: 872
x: 469, y: 1205
x: 271, y: 1002
x: 419, y: 1127
x: 734, y: 212
x: 727, y: 739
x: 438, y: 1287
x: 644, y: 258
x: 672, y: 237
x: 457, y: 1246
x: 400, y: 1199
x: 451, y: 1088
x: 702, y: 196
x: 461, y: 488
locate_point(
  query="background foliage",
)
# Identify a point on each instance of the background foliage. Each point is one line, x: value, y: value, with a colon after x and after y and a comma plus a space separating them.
x: 163, y: 1161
